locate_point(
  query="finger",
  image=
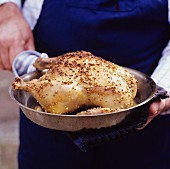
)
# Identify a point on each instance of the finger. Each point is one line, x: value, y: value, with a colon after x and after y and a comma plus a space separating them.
x: 14, y: 51
x: 30, y: 44
x: 160, y: 106
x: 153, y: 112
x: 167, y: 104
x: 156, y: 106
x: 5, y: 58
x: 155, y: 109
x: 1, y: 65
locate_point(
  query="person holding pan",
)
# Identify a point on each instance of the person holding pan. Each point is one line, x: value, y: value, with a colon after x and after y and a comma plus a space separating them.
x: 131, y: 33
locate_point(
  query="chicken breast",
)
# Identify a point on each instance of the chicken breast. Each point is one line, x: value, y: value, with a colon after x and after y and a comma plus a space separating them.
x: 79, y: 79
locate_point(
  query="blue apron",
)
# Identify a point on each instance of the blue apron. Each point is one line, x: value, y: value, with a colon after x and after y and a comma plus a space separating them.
x: 130, y: 33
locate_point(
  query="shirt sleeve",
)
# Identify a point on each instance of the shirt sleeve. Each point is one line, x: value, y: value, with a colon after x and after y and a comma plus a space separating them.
x: 17, y: 2
x: 31, y: 11
x: 161, y: 75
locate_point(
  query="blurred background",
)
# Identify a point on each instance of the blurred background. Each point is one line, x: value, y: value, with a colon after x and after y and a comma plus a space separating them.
x: 8, y: 124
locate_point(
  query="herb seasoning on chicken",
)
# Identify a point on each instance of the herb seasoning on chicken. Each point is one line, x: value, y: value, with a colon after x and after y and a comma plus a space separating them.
x: 79, y: 79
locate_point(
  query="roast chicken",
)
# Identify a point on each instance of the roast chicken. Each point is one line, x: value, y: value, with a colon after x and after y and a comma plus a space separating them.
x: 78, y: 79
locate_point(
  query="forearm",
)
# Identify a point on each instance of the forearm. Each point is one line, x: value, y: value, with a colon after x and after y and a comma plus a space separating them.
x: 17, y: 2
x: 161, y: 75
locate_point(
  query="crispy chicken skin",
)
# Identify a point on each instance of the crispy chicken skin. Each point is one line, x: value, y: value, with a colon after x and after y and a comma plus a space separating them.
x: 79, y: 78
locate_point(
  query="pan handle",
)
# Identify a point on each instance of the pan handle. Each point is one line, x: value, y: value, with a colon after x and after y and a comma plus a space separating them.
x: 161, y: 93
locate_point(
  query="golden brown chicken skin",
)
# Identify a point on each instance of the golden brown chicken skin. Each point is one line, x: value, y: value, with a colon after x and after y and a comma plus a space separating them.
x: 79, y: 78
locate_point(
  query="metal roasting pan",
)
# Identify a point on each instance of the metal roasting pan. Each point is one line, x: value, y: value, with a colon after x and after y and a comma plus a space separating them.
x: 146, y: 91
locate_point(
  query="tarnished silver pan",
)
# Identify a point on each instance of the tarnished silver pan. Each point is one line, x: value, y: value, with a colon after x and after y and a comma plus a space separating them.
x: 146, y: 91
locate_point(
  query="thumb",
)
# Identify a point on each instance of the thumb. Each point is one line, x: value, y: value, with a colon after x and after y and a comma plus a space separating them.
x: 155, y: 107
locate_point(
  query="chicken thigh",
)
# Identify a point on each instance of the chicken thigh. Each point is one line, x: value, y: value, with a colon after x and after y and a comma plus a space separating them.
x: 79, y: 79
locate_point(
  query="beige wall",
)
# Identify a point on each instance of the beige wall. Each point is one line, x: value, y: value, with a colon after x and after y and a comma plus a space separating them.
x: 8, y: 124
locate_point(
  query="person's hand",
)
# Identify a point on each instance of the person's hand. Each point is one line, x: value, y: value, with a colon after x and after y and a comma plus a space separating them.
x: 15, y: 34
x: 156, y: 108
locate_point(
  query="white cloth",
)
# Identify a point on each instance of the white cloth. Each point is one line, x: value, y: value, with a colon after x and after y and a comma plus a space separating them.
x: 32, y: 9
x: 23, y: 63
